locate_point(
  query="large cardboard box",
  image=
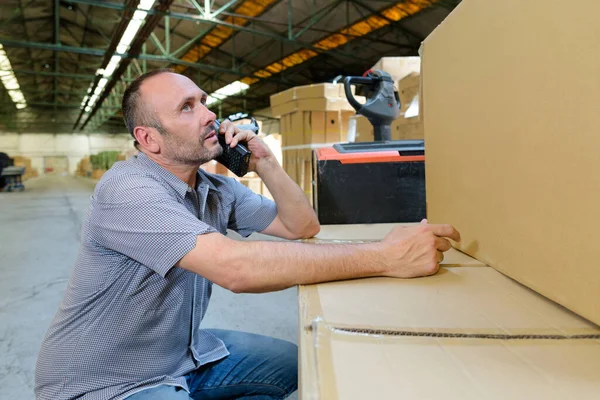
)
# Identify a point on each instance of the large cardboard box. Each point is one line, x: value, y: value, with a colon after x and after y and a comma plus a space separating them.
x: 313, y: 104
x: 468, y: 332
x: 378, y: 366
x: 512, y: 141
x: 310, y: 116
x: 313, y: 91
x: 398, y: 67
x: 317, y: 90
x: 408, y: 93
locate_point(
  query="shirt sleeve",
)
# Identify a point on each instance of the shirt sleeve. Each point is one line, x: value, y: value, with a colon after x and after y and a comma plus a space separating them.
x: 251, y: 212
x: 136, y: 216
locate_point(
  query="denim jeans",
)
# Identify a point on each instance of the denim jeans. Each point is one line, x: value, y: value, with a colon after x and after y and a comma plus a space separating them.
x: 258, y: 368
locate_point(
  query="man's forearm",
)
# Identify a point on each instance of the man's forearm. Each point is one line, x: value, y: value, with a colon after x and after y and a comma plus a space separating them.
x: 270, y: 266
x: 293, y: 207
x: 246, y: 266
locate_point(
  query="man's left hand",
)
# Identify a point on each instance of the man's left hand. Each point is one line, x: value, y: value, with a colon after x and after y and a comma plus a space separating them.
x: 233, y: 136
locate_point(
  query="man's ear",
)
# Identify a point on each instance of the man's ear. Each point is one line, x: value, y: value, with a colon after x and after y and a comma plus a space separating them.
x: 146, y: 138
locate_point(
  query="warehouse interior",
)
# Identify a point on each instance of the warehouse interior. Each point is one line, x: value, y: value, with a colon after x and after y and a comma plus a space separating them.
x: 512, y: 308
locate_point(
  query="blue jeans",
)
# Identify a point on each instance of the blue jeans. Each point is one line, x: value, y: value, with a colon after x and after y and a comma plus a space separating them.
x: 258, y: 368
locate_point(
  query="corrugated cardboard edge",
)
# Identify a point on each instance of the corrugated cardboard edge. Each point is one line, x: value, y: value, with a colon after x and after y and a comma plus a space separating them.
x: 421, y: 108
x: 311, y: 310
x: 324, y: 372
x: 308, y: 305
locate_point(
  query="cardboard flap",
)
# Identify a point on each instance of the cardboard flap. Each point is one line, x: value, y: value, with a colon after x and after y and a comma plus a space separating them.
x: 457, y: 300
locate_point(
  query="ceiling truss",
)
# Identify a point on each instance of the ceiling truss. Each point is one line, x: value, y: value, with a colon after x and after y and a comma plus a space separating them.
x: 57, y: 47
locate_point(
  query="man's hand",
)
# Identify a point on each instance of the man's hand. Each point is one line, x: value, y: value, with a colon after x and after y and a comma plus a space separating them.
x: 233, y: 136
x: 417, y: 250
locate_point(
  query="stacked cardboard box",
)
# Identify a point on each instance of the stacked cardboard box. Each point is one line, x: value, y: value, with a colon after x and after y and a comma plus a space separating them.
x: 310, y: 116
x: 398, y: 67
x: 20, y: 161
x: 250, y: 180
x: 524, y: 205
x: 468, y: 332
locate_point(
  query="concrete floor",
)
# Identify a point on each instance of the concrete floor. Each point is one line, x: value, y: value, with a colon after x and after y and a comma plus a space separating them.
x: 39, y: 240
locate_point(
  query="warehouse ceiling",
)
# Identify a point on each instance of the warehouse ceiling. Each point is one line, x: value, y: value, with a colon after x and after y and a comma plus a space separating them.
x: 64, y: 64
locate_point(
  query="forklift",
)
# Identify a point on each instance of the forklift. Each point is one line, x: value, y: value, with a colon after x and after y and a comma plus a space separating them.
x: 371, y: 182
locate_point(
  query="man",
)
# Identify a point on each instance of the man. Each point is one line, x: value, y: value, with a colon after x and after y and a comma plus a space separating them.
x: 154, y: 240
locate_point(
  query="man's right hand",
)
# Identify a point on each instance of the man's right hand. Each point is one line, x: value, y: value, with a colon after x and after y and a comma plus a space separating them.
x: 416, y: 251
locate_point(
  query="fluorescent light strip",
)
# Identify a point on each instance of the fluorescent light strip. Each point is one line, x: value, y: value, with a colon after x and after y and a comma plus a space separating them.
x: 9, y: 80
x: 226, y: 91
x: 139, y: 16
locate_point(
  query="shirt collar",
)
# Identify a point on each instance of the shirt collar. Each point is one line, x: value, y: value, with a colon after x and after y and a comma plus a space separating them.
x: 180, y: 186
x: 202, y: 177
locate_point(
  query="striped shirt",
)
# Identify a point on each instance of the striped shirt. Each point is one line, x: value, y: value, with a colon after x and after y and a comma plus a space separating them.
x: 129, y: 319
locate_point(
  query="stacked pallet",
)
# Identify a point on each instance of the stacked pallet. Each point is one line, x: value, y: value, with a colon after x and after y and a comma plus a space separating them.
x: 311, y: 116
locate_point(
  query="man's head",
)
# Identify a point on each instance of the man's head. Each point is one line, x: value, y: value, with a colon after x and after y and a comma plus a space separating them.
x: 167, y: 116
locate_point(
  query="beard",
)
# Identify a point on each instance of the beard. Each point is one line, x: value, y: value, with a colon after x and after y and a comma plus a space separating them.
x: 190, y: 152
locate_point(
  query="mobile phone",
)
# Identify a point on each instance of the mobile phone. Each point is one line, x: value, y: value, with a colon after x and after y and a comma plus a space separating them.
x: 235, y: 159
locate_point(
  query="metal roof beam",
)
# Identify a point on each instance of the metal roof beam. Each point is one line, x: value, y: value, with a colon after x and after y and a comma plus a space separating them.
x: 393, y: 23
x: 119, y: 31
x: 134, y: 50
x: 100, y: 52
x: 224, y: 8
x: 63, y: 105
x: 198, y: 18
x: 50, y: 73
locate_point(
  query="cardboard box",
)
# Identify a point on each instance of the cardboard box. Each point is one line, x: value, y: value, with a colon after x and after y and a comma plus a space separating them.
x: 316, y: 90
x: 458, y: 300
x: 316, y: 104
x: 360, y: 366
x: 408, y: 92
x: 462, y: 323
x: 398, y: 67
x: 301, y: 132
x: 210, y: 167
x: 476, y: 332
x: 523, y: 188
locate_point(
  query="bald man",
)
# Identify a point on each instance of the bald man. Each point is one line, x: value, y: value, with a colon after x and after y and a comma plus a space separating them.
x: 153, y: 243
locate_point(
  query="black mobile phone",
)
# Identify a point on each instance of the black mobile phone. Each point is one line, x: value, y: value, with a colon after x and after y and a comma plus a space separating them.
x: 235, y: 159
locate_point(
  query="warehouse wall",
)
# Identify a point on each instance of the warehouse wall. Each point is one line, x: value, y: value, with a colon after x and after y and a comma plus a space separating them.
x: 73, y: 146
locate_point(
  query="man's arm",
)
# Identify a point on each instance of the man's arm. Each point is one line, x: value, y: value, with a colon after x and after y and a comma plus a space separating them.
x: 252, y: 267
x: 295, y: 216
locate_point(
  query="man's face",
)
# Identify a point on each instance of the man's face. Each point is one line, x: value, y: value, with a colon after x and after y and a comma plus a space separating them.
x: 179, y: 106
